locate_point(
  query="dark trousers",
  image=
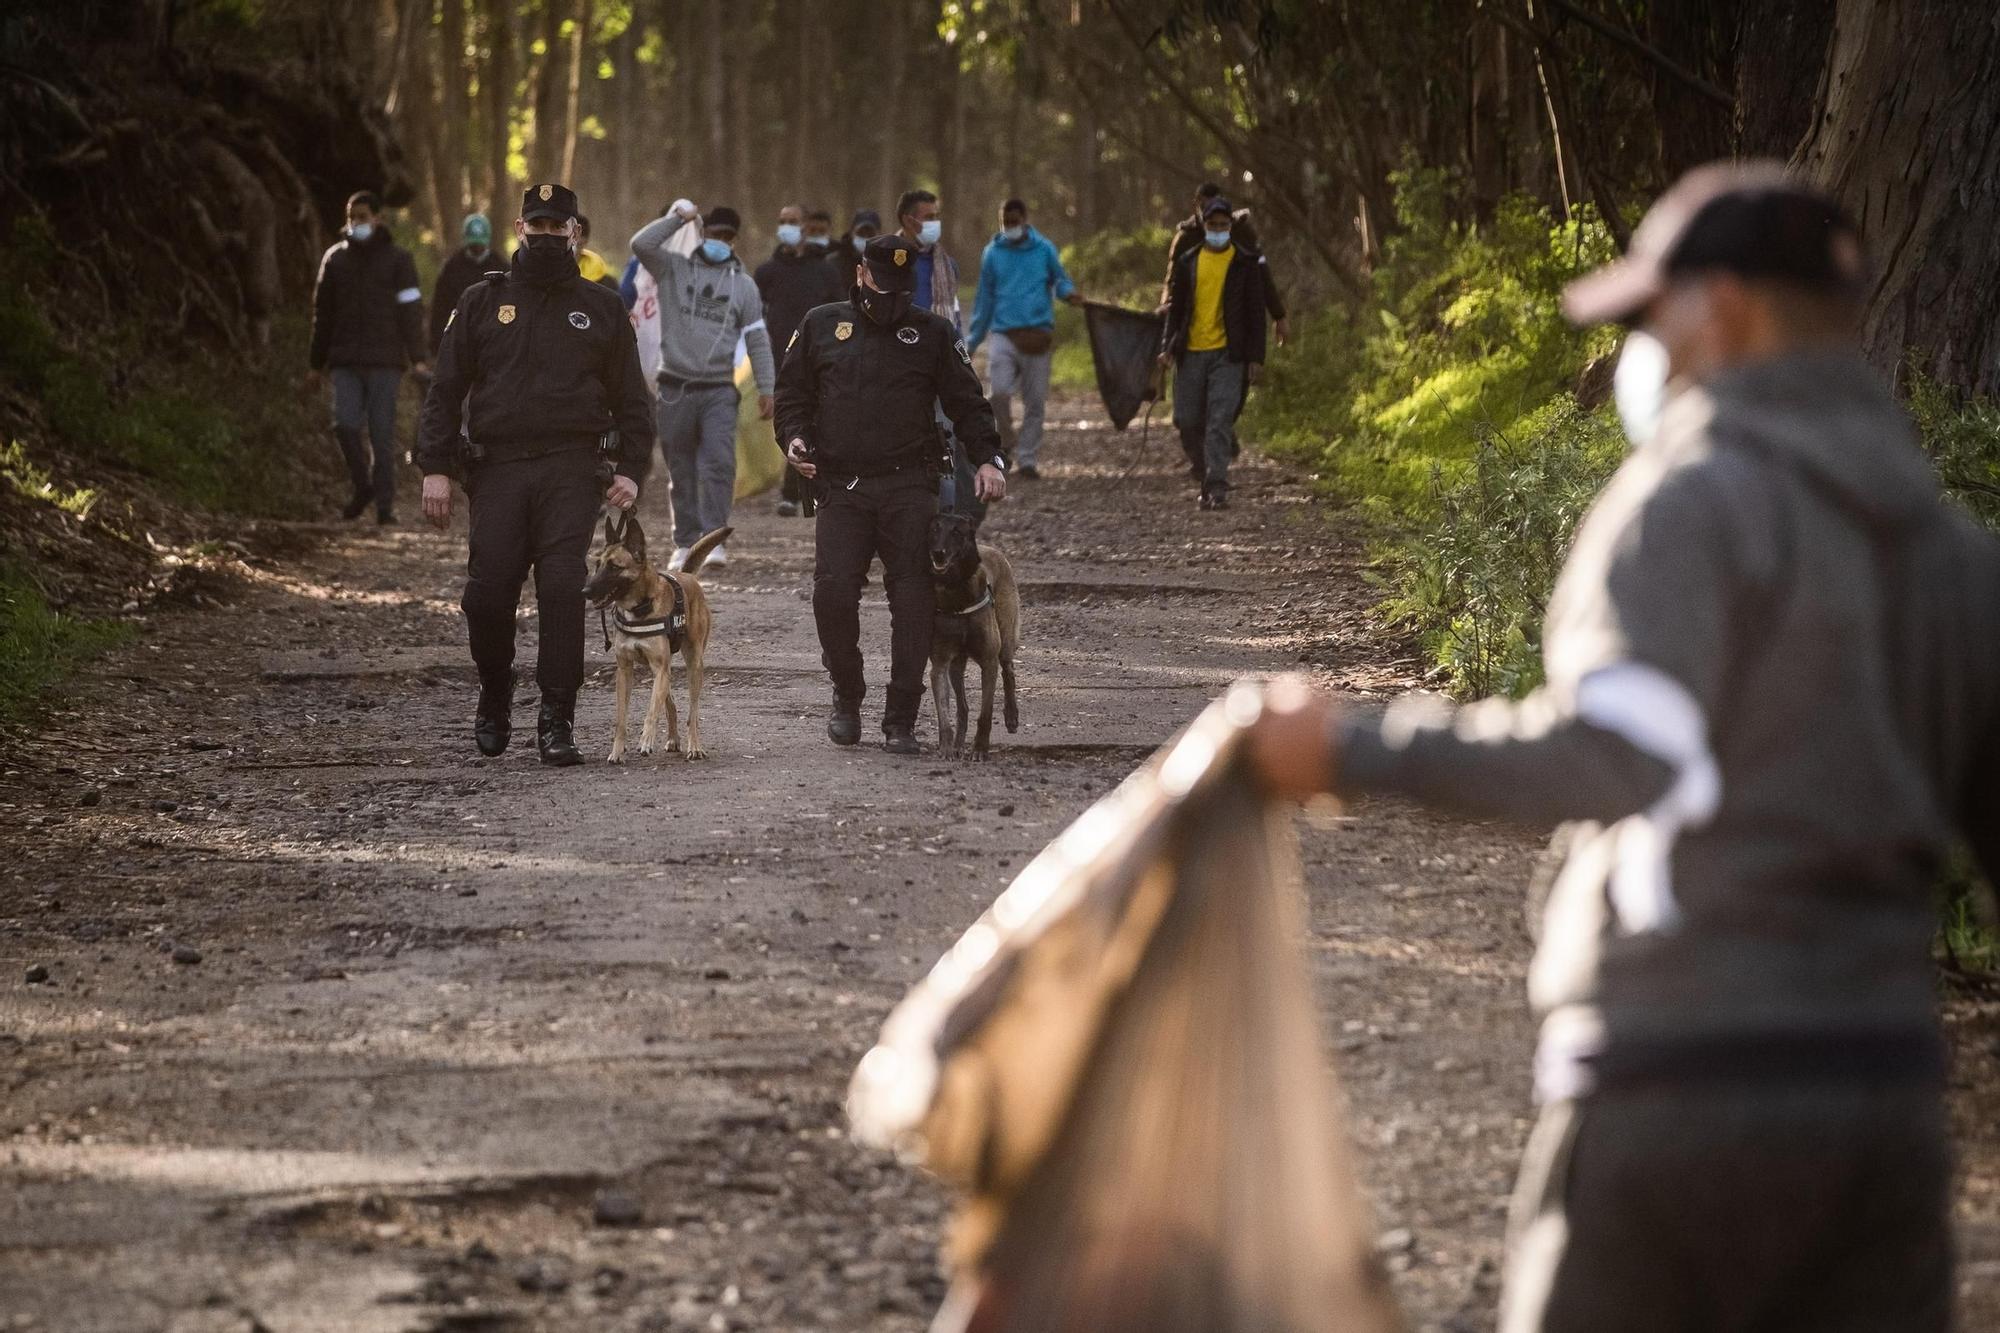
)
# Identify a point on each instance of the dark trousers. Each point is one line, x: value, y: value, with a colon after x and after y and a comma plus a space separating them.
x: 890, y: 517
x: 531, y: 513
x: 1822, y: 1207
x: 366, y: 396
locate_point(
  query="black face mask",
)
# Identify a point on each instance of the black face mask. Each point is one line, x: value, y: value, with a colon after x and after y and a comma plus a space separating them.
x: 884, y: 307
x: 544, y: 258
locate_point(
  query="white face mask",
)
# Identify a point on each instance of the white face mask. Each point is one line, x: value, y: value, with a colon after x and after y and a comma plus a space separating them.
x: 1639, y: 386
x: 1015, y: 232
x: 929, y: 233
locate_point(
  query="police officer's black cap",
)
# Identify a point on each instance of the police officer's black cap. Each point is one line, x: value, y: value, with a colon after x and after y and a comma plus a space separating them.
x: 893, y: 262
x: 548, y: 201
x: 1754, y: 219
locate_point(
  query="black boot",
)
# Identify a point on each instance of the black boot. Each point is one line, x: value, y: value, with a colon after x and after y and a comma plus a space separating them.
x: 493, y: 724
x: 843, y: 726
x: 356, y: 455
x: 555, y: 735
x: 900, y: 738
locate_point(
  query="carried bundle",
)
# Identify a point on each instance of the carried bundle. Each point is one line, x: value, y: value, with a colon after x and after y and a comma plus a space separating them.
x: 1120, y: 1065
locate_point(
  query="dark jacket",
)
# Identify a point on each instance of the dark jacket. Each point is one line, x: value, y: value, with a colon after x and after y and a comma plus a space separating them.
x: 791, y: 285
x: 458, y: 274
x: 1246, y: 295
x: 536, y: 368
x: 368, y: 309
x: 1187, y: 236
x: 862, y: 396
x: 1771, y: 606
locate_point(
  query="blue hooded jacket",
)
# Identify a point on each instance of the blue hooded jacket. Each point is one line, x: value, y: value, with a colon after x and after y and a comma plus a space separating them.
x: 1017, y: 281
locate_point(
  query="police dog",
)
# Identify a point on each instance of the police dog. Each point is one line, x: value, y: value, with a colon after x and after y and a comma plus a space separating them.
x: 642, y: 602
x: 978, y: 619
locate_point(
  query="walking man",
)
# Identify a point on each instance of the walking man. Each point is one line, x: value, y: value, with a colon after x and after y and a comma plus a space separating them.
x: 1215, y: 339
x: 792, y: 281
x: 1771, y: 706
x: 368, y: 325
x: 707, y: 303
x: 541, y: 367
x: 857, y: 400
x: 1187, y: 238
x: 466, y: 265
x: 1018, y: 273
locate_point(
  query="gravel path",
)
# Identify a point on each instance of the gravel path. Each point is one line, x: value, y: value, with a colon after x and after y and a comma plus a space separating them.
x: 339, y: 1026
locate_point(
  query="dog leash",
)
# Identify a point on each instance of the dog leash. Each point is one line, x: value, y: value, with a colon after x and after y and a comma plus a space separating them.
x: 976, y: 607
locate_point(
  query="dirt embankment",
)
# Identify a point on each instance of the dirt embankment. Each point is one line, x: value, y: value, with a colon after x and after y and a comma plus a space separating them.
x: 471, y: 1044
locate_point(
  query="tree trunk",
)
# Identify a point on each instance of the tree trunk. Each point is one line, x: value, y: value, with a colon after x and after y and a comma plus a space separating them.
x: 572, y: 109
x: 545, y: 152
x: 497, y: 89
x: 898, y: 173
x: 457, y: 111
x: 1903, y: 136
x: 715, y: 90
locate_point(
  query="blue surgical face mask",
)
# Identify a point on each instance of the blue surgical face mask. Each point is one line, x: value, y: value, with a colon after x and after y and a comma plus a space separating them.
x: 361, y: 231
x: 818, y: 242
x: 1639, y: 386
x: 1015, y: 232
x: 1216, y: 240
x: 860, y: 244
x: 716, y: 252
x: 789, y: 234
x: 930, y: 233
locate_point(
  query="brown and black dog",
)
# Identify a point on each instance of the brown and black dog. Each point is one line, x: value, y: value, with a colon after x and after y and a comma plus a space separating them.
x: 643, y: 629
x: 978, y: 619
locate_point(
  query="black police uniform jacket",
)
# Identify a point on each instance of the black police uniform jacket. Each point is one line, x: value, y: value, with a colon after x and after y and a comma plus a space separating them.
x: 537, y: 367
x: 861, y: 394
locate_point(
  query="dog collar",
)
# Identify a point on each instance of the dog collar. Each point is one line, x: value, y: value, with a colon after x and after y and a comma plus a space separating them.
x: 980, y: 605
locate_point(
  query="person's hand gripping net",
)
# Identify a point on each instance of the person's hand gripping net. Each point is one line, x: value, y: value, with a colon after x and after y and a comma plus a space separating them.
x: 1290, y: 746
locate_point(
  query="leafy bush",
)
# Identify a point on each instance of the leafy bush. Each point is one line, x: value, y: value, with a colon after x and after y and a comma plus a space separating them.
x: 1962, y: 436
x: 1443, y: 408
x: 39, y: 645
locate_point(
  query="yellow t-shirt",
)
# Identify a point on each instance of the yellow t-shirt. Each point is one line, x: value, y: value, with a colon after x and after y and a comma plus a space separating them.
x: 1205, y: 330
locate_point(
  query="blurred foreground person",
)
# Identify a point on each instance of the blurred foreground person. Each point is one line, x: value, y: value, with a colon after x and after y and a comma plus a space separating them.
x: 1773, y: 701
x: 1119, y: 1066
x: 538, y: 394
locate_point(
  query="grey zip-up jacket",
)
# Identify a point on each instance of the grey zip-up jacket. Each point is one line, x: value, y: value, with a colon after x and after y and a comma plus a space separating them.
x: 1773, y: 664
x: 703, y: 308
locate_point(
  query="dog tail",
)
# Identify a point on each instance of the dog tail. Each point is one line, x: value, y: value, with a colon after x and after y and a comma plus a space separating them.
x: 1012, y: 712
x: 698, y: 553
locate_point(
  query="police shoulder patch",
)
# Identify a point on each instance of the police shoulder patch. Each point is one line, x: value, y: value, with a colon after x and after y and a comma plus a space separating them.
x: 794, y: 342
x: 963, y: 354
x: 844, y: 330
x: 450, y: 319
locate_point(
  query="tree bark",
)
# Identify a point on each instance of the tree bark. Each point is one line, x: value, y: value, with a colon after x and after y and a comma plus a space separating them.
x: 572, y: 104
x: 456, y: 115
x: 497, y: 91
x: 544, y: 153
x: 1904, y: 136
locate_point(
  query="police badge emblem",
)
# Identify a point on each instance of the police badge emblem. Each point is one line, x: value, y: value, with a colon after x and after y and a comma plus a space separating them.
x: 578, y: 320
x: 906, y: 334
x: 547, y: 190
x: 843, y: 330
x: 902, y: 258
x: 506, y: 314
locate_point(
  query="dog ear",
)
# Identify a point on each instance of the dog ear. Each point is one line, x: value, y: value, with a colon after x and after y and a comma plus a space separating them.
x: 634, y: 538
x: 611, y: 525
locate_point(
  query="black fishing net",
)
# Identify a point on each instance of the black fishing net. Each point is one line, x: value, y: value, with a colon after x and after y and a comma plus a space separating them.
x: 1124, y: 345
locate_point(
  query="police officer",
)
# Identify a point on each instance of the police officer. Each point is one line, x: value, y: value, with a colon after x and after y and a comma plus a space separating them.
x: 855, y: 413
x: 538, y: 385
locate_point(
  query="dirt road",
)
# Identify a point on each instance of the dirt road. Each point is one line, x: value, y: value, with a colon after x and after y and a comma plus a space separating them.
x: 345, y: 1028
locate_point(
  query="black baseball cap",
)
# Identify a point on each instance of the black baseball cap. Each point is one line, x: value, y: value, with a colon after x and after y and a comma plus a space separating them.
x: 723, y: 216
x: 893, y: 262
x: 1215, y: 205
x: 548, y: 201
x: 1754, y: 219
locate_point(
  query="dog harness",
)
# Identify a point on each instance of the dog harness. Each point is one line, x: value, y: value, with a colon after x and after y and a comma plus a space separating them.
x: 641, y: 623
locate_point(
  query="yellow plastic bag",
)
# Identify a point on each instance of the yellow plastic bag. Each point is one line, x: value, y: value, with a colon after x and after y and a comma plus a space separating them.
x: 760, y: 464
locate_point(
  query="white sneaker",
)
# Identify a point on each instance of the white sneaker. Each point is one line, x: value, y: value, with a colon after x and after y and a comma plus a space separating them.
x: 678, y: 560
x: 716, y: 558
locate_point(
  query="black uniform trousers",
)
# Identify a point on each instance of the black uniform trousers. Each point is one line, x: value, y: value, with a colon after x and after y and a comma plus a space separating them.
x: 891, y: 517
x: 531, y: 513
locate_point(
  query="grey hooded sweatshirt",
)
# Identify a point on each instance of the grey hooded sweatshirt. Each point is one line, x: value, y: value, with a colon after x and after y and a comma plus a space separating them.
x: 704, y: 307
x: 1773, y: 696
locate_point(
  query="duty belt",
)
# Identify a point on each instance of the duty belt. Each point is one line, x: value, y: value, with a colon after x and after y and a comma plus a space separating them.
x: 641, y: 623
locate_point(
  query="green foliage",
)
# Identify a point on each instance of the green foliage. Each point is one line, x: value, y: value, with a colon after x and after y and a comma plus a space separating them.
x: 1962, y: 436
x: 1443, y: 408
x: 39, y: 645
x: 209, y: 431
